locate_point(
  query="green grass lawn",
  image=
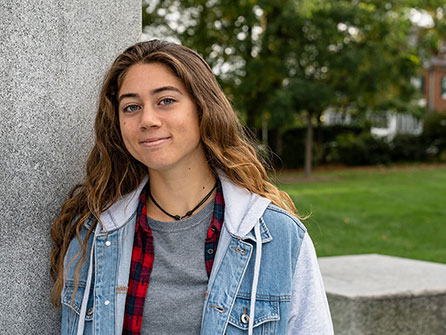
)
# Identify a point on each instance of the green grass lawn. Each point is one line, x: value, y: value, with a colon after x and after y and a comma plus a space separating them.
x: 399, y: 212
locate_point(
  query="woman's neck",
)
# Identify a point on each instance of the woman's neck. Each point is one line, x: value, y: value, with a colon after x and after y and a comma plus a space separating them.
x: 177, y: 191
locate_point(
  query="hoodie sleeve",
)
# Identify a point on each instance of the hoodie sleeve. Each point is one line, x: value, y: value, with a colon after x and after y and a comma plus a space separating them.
x: 309, y: 311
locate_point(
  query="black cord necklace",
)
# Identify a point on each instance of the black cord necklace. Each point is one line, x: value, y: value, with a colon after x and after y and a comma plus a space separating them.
x: 189, y: 213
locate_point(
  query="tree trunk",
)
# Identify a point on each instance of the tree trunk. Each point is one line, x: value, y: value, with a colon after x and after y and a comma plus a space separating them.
x: 264, y: 129
x: 318, y: 150
x: 251, y: 117
x: 309, y: 145
x: 279, y: 143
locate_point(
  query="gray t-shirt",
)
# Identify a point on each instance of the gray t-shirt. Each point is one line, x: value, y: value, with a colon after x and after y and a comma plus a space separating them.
x: 178, y: 282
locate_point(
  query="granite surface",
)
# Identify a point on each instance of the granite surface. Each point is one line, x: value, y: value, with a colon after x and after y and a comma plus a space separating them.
x: 54, y: 56
x: 384, y: 295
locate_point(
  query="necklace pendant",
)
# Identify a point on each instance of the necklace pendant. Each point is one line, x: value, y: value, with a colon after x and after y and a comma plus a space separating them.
x: 189, y: 213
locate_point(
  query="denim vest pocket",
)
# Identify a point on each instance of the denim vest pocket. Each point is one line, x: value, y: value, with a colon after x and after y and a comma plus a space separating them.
x: 71, y: 308
x: 266, y: 315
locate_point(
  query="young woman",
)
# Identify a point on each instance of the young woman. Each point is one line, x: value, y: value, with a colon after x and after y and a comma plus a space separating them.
x: 176, y: 229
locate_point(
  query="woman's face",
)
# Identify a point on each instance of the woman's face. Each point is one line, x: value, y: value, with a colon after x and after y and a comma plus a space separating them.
x: 158, y: 118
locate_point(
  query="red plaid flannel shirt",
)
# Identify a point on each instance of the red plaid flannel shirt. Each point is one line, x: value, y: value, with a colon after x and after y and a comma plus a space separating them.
x: 143, y: 255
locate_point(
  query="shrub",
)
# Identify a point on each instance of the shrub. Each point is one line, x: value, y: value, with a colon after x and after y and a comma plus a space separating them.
x: 293, y: 144
x: 434, y: 135
x: 351, y: 149
x: 293, y: 148
x: 408, y: 148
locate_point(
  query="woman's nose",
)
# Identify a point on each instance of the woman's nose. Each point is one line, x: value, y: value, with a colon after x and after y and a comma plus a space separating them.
x: 149, y: 118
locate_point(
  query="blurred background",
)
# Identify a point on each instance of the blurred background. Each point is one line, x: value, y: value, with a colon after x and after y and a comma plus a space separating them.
x: 347, y: 99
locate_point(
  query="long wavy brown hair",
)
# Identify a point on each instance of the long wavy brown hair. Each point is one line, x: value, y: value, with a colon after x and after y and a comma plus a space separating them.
x: 113, y: 172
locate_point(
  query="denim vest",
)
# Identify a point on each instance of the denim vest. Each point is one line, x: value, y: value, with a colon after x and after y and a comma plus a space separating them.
x: 227, y: 303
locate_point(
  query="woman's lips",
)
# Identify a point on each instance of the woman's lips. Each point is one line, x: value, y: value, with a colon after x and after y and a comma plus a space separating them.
x: 154, y: 142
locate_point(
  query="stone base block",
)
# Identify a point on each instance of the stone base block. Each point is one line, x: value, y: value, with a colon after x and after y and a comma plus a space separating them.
x: 384, y: 295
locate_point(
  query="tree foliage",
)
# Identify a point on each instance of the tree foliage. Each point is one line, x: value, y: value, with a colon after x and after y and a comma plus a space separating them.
x: 278, y: 59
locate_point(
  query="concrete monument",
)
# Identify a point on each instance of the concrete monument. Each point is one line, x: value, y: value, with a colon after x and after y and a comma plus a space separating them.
x: 384, y: 295
x: 54, y: 55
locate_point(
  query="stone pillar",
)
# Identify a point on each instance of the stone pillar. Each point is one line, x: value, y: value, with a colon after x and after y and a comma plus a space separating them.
x: 54, y: 55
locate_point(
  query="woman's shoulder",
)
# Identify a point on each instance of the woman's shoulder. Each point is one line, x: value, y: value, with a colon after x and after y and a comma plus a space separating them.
x: 275, y: 214
x: 283, y: 225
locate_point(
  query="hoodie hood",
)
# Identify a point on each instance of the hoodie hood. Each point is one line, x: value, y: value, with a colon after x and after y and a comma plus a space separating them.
x: 243, y: 209
x: 120, y: 212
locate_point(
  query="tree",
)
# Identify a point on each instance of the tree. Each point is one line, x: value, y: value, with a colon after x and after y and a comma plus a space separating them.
x: 357, y: 56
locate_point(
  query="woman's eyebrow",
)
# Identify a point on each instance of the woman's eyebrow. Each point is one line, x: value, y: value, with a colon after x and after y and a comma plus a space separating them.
x: 152, y: 92
x: 127, y: 95
x: 165, y: 88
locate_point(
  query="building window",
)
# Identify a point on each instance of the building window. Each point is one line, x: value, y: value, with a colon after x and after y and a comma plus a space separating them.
x: 443, y: 87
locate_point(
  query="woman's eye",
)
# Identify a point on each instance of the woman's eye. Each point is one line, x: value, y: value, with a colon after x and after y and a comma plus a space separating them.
x: 167, y: 101
x: 131, y: 108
